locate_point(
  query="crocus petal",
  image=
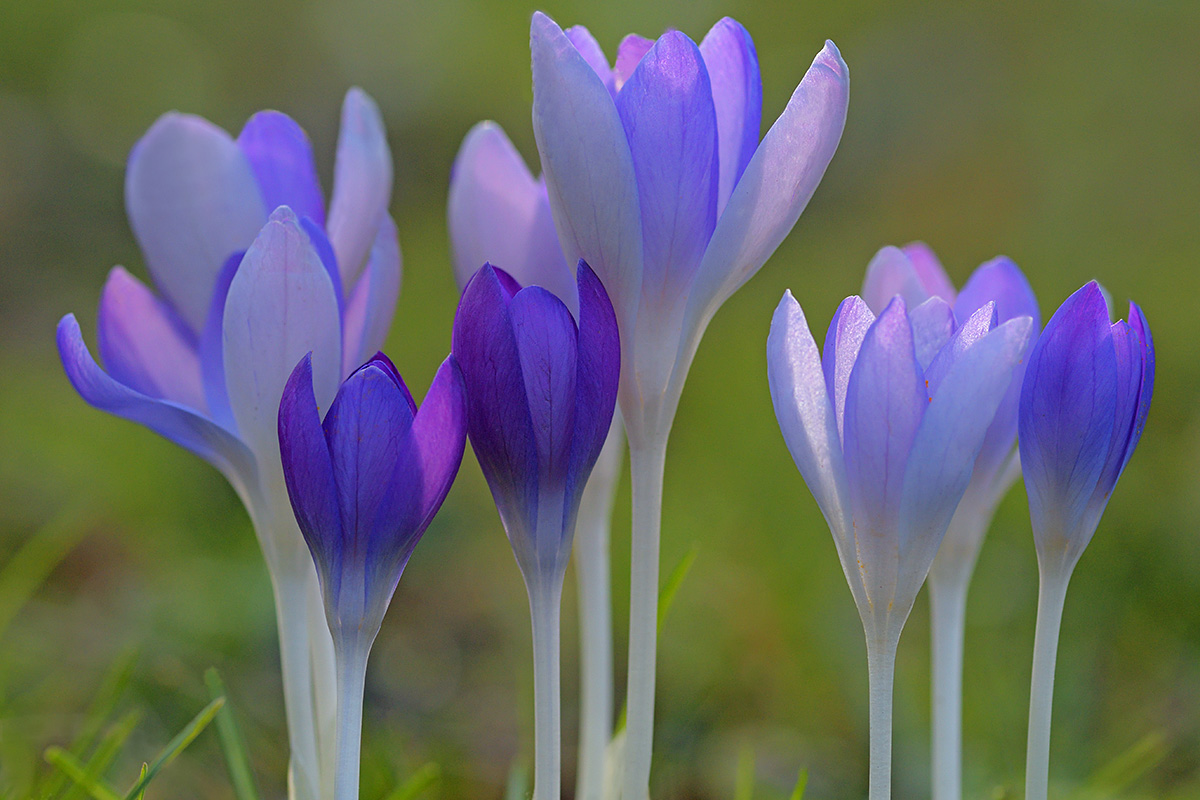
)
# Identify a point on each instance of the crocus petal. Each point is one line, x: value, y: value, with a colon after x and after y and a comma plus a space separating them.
x: 371, y: 305
x: 439, y: 434
x: 1002, y: 282
x: 308, y: 472
x: 1137, y: 321
x: 775, y: 187
x: 362, y: 184
x: 892, y: 273
x: 192, y: 200
x: 281, y: 156
x: 630, y: 52
x: 145, y: 346
x: 181, y: 425
x: 593, y: 54
x: 933, y: 325
x: 930, y: 272
x: 667, y: 110
x: 1066, y: 415
x: 805, y: 413
x: 587, y: 166
x: 324, y: 249
x: 500, y: 427
x: 842, y: 342
x: 732, y: 66
x: 546, y: 344
x: 1127, y: 349
x: 968, y: 334
x: 212, y: 347
x: 281, y: 305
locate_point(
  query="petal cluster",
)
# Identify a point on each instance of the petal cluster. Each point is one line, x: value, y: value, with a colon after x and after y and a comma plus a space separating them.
x: 885, y: 428
x: 540, y: 397
x: 251, y: 273
x: 1083, y: 407
x: 366, y: 482
x: 657, y: 178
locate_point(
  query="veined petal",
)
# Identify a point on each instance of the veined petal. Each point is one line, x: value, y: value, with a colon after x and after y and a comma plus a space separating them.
x: 185, y: 427
x: 212, y: 347
x: 362, y: 184
x: 842, y: 342
x: 588, y: 168
x: 281, y: 156
x: 933, y: 325
x: 281, y: 305
x: 667, y: 111
x: 892, y: 273
x: 1137, y: 321
x: 439, y: 434
x: 805, y: 414
x: 930, y: 272
x: 1129, y: 354
x: 775, y: 187
x: 732, y: 64
x: 630, y: 52
x: 370, y: 306
x: 192, y: 200
x: 324, y: 249
x: 145, y: 346
x: 593, y: 54
x: 965, y: 337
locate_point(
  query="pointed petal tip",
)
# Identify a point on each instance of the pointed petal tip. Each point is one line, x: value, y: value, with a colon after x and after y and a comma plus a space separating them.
x: 831, y: 58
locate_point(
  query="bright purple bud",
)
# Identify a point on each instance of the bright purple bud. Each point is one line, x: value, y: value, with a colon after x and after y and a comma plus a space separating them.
x: 366, y: 482
x: 1083, y: 407
x: 540, y: 396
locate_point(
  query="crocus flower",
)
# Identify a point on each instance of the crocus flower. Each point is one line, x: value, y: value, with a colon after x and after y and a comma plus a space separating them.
x: 1083, y: 408
x: 251, y: 274
x: 885, y: 428
x: 540, y: 396
x: 914, y: 273
x: 657, y: 178
x: 497, y: 212
x: 364, y: 485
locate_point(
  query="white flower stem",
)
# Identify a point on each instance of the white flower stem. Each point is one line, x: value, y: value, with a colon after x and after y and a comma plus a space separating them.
x: 881, y: 670
x: 595, y: 616
x: 296, y: 668
x: 544, y: 607
x: 948, y: 606
x: 646, y: 463
x: 351, y: 680
x: 1052, y: 595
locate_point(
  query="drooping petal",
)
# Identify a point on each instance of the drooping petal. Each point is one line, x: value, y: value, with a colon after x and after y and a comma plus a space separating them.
x: 775, y: 187
x: 732, y: 65
x: 593, y: 54
x: 892, y: 273
x: 1065, y: 423
x: 281, y: 305
x: 588, y: 167
x: 842, y: 342
x: 630, y: 53
x: 362, y: 184
x: 930, y: 272
x: 933, y: 325
x: 370, y: 306
x: 145, y: 345
x: 183, y: 426
x: 804, y: 411
x: 192, y: 200
x: 667, y: 111
x: 281, y: 156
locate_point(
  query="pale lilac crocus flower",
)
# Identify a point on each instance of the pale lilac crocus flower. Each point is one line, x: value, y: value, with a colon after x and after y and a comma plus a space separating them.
x: 250, y: 273
x: 657, y: 178
x: 885, y: 427
x: 914, y: 273
x: 498, y: 213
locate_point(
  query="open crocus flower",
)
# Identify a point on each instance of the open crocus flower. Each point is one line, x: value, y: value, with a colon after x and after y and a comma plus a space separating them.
x: 498, y: 213
x: 540, y: 397
x: 365, y: 484
x: 251, y: 274
x: 914, y: 273
x: 885, y: 429
x: 1083, y: 408
x: 657, y: 178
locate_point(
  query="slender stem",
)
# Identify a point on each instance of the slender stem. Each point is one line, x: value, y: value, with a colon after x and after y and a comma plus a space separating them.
x: 1052, y: 595
x: 324, y: 679
x: 595, y: 617
x: 646, y: 465
x: 351, y: 680
x: 303, y: 772
x: 881, y: 670
x: 544, y: 606
x: 948, y: 606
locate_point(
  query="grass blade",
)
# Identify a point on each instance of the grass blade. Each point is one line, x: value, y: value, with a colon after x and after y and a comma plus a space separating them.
x: 176, y: 746
x: 32, y: 564
x: 674, y: 581
x: 418, y: 782
x: 743, y: 787
x: 106, y: 753
x: 517, y: 787
x: 232, y: 744
x: 75, y: 771
x: 801, y: 784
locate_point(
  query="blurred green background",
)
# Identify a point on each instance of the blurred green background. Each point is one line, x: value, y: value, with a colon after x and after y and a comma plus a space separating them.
x: 1062, y: 134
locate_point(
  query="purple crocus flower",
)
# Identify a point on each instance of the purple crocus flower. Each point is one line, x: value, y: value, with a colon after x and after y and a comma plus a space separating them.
x: 251, y: 274
x: 885, y: 428
x: 914, y: 273
x: 1083, y: 408
x: 540, y: 396
x: 364, y: 485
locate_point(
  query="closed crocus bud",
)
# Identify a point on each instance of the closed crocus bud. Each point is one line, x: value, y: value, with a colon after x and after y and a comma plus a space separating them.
x: 1083, y: 407
x: 364, y: 485
x: 885, y: 429
x: 540, y: 396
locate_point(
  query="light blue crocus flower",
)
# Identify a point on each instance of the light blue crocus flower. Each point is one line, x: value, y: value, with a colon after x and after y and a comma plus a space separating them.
x: 885, y: 427
x: 251, y: 273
